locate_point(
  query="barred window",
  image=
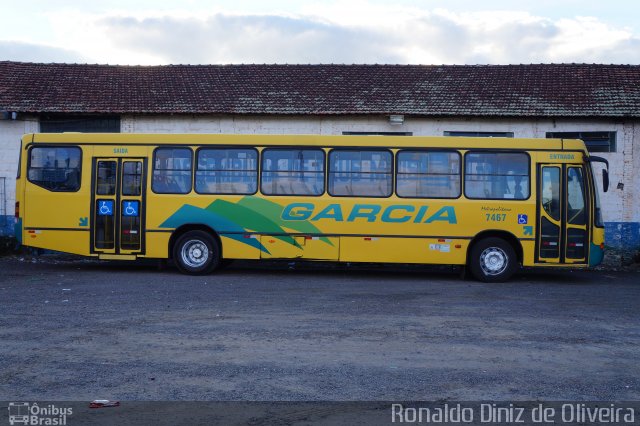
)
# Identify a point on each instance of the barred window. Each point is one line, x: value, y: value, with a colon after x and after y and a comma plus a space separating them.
x: 595, y: 141
x: 480, y: 134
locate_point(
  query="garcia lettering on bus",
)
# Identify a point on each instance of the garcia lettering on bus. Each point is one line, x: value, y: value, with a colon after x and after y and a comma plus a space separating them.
x: 398, y: 213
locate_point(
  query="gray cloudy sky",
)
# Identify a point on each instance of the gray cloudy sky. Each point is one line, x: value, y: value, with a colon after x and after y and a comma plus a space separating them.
x: 286, y: 31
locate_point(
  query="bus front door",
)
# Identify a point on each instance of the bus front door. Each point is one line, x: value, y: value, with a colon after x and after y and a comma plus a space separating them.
x: 562, y: 231
x: 118, y: 206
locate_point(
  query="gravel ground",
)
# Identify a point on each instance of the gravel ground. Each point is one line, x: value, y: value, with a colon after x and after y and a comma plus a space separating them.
x: 81, y: 330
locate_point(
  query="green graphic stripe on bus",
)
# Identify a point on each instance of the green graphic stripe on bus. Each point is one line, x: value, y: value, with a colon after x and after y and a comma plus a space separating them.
x: 191, y: 214
x: 249, y: 220
x: 235, y: 220
x: 275, y: 211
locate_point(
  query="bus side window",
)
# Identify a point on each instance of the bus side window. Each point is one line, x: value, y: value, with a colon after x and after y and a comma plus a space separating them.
x: 106, y: 178
x: 575, y: 197
x: 132, y: 178
x: 227, y: 171
x: 292, y: 171
x: 355, y: 173
x: 428, y: 174
x: 496, y: 175
x: 172, y: 171
x: 55, y: 168
x: 551, y: 191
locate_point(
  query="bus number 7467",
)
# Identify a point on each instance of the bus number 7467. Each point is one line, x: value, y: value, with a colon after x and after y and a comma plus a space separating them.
x: 496, y: 217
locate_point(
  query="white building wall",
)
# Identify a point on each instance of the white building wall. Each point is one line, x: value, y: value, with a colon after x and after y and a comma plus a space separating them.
x: 11, y: 132
x: 634, y: 197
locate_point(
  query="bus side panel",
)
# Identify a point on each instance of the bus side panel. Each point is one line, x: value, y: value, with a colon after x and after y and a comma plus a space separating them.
x: 157, y: 244
x: 59, y: 220
x: 234, y: 249
x: 529, y: 252
x: 300, y: 247
x: 59, y: 240
x: 56, y: 221
x: 403, y: 250
x: 327, y: 248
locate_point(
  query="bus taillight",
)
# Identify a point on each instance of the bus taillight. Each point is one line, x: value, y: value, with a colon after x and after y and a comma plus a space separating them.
x: 17, y: 210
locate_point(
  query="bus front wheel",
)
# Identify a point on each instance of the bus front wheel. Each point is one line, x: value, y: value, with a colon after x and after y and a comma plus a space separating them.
x: 196, y: 253
x: 492, y: 260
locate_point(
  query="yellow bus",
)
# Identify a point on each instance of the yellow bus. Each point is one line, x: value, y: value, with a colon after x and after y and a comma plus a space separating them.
x: 491, y: 205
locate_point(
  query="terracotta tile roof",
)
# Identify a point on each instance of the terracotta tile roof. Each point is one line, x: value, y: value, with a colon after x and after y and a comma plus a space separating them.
x: 546, y: 90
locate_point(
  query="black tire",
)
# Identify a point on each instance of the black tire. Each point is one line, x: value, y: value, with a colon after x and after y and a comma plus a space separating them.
x: 196, y: 253
x: 492, y: 260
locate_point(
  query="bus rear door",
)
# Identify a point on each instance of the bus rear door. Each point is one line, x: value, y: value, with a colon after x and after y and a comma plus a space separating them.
x: 118, y: 206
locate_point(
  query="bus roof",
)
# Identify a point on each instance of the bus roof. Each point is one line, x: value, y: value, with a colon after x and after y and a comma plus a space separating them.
x: 452, y: 142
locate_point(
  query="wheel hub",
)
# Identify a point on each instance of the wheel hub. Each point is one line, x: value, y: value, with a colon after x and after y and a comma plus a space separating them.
x: 493, y: 261
x: 194, y: 253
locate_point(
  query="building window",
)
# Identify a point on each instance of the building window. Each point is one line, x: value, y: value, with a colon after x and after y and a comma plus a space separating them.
x: 355, y: 173
x: 496, y: 176
x: 481, y: 134
x: 377, y: 133
x: 595, y: 141
x: 292, y: 172
x: 84, y: 124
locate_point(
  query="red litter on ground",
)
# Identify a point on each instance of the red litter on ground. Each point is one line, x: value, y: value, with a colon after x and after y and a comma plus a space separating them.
x: 100, y: 403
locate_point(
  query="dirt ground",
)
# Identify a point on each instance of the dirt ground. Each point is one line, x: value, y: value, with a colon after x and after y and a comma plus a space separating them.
x: 81, y: 330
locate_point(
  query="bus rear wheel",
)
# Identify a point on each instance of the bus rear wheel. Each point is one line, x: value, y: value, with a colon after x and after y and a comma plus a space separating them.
x: 492, y: 260
x: 196, y: 253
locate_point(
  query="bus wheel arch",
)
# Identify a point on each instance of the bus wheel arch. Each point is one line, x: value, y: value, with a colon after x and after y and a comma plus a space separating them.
x: 494, y: 256
x: 195, y: 249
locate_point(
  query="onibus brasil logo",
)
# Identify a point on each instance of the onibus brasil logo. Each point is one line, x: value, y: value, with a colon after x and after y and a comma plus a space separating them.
x: 25, y: 413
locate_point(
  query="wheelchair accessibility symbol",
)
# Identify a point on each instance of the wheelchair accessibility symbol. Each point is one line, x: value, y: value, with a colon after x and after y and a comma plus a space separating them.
x: 523, y: 219
x: 130, y: 208
x: 105, y: 207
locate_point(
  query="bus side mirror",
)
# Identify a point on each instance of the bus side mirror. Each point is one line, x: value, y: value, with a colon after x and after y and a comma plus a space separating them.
x: 605, y: 171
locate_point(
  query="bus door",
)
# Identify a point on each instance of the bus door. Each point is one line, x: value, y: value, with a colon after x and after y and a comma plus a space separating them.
x: 562, y: 233
x: 118, y: 206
